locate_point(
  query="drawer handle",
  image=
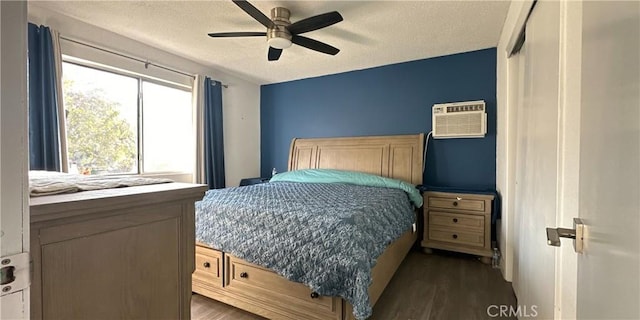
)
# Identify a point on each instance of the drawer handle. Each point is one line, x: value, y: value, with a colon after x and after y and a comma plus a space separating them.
x: 455, y: 220
x: 455, y: 203
x: 314, y: 295
x: 455, y: 236
x: 244, y: 275
x: 206, y: 265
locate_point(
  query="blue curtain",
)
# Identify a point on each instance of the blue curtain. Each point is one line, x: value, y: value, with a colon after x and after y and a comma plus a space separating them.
x: 44, y: 143
x: 213, y: 138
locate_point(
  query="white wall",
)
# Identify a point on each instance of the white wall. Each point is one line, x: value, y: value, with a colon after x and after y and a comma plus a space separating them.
x: 241, y: 99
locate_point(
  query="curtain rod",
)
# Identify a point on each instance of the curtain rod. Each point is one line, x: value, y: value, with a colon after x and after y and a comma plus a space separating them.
x: 145, y: 62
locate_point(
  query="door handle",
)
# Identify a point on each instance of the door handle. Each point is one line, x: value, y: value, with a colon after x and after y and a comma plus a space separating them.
x: 577, y: 234
x: 554, y: 235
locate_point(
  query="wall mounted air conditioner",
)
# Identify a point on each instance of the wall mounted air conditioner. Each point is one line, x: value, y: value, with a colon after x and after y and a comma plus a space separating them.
x: 459, y: 120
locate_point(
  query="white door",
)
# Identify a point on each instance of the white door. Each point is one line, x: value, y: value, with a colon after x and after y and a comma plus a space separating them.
x: 14, y: 208
x: 537, y: 175
x: 578, y: 155
x: 609, y: 269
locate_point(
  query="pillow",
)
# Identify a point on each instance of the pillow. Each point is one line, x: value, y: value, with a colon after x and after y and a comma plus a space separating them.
x: 350, y: 177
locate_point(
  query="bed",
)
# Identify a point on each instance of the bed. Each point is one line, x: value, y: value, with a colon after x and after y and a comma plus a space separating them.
x: 222, y: 275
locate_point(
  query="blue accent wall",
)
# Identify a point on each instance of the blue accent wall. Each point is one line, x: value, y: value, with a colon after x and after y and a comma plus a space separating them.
x: 387, y: 100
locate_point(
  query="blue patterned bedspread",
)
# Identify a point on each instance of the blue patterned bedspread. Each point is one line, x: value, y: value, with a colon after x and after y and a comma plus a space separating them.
x: 327, y: 236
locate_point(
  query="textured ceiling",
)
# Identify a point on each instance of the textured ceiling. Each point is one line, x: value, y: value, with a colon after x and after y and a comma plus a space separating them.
x: 373, y: 33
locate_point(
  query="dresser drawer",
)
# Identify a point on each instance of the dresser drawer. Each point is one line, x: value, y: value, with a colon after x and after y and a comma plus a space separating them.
x: 457, y: 203
x: 457, y: 236
x: 268, y: 287
x: 208, y: 267
x: 456, y: 220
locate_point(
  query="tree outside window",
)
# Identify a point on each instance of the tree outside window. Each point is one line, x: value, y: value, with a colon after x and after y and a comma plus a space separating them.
x: 99, y: 139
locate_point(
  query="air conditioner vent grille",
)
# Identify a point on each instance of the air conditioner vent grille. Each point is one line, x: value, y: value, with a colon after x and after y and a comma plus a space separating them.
x: 459, y: 123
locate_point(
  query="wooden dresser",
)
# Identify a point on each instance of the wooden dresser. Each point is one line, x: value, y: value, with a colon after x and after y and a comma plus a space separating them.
x: 123, y: 253
x: 458, y: 222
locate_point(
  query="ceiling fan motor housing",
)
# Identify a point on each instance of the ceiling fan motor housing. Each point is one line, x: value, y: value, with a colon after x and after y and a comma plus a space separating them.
x: 279, y: 37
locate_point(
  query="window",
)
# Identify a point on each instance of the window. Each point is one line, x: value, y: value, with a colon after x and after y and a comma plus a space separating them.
x: 167, y: 128
x: 119, y: 123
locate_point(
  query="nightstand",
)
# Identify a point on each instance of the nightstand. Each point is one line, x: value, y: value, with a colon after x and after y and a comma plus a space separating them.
x: 458, y: 222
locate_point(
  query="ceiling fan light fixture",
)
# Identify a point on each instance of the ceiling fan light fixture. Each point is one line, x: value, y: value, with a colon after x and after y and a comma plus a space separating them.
x: 281, y: 33
x: 279, y: 43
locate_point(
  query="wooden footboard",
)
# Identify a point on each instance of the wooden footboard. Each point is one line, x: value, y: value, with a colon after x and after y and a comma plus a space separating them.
x: 225, y: 278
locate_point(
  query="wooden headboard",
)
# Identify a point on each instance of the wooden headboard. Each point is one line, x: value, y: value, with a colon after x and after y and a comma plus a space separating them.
x: 398, y: 157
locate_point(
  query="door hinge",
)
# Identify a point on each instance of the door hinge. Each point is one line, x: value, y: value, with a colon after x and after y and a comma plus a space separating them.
x: 15, y: 273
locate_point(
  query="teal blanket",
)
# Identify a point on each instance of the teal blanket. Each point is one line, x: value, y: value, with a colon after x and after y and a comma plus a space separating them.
x: 349, y: 177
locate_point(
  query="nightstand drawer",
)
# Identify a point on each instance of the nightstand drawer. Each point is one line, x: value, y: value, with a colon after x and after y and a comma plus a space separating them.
x: 456, y: 220
x: 454, y: 203
x: 458, y: 236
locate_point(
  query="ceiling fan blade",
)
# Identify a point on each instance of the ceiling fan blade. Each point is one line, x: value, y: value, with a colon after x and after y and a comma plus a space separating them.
x: 274, y: 54
x: 255, y: 13
x: 237, y: 34
x: 314, y: 45
x: 315, y: 22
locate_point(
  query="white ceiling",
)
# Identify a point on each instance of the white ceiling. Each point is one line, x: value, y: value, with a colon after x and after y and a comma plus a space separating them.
x: 373, y: 33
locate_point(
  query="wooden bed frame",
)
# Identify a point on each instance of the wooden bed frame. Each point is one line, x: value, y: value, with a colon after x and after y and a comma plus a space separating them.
x: 222, y: 277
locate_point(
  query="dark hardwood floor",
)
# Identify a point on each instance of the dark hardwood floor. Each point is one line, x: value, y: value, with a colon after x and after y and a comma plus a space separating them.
x: 203, y: 308
x: 436, y: 286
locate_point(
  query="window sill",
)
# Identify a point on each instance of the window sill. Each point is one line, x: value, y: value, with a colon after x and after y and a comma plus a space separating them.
x: 186, y: 177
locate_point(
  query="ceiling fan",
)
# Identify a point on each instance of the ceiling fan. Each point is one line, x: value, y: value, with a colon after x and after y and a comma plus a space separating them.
x: 281, y: 33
